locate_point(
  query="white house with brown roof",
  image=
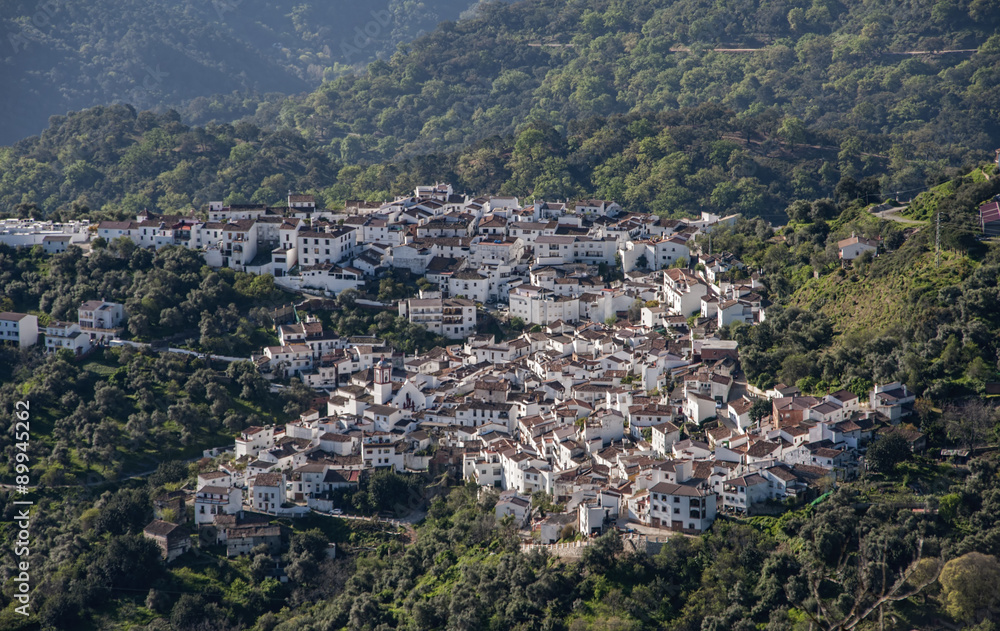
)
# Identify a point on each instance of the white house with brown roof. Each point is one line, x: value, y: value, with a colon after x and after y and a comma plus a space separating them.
x: 56, y: 243
x: 664, y: 436
x: 515, y: 505
x: 683, y: 291
x: 740, y: 494
x: 253, y: 440
x: 66, y: 335
x: 854, y: 246
x: 469, y: 284
x: 699, y: 407
x: 267, y: 492
x: 301, y: 203
x: 293, y: 359
x: 211, y: 500
x: 100, y: 314
x: 894, y: 400
x: 739, y: 412
x: 18, y: 329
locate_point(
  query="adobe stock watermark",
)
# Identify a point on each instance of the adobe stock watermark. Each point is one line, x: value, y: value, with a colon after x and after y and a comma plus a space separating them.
x: 22, y: 518
x: 366, y: 35
x: 32, y: 28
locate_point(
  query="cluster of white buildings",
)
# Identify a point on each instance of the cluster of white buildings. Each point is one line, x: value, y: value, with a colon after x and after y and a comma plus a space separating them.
x: 620, y: 401
x: 97, y: 323
x: 53, y: 237
x: 544, y: 258
x: 650, y: 426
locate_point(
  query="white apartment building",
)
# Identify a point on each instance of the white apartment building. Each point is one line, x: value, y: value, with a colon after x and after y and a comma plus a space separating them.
x: 538, y: 305
x: 450, y: 317
x: 681, y: 507
x: 325, y: 247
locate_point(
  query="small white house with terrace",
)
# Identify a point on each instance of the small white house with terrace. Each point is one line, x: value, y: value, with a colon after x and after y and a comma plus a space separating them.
x: 742, y: 493
x: 210, y: 501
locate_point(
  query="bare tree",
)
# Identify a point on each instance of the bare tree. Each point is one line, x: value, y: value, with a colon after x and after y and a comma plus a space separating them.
x: 873, y: 591
x: 971, y: 423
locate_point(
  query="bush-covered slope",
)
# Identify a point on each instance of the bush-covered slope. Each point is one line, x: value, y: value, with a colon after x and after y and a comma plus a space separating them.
x: 902, y: 315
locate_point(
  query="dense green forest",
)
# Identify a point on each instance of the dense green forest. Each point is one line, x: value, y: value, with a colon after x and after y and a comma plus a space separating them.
x: 828, y: 93
x: 678, y: 162
x: 221, y: 59
x: 847, y: 563
x: 819, y: 66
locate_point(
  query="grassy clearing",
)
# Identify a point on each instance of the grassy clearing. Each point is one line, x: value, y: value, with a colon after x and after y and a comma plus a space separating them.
x: 883, y: 297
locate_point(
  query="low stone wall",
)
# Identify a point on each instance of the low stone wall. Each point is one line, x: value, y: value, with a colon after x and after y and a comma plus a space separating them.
x: 573, y: 550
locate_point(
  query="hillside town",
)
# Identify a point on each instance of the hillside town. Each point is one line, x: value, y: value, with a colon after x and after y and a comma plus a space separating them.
x: 617, y: 398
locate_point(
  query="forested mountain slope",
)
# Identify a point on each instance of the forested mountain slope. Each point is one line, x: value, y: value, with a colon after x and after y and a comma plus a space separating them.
x: 824, y: 87
x: 58, y: 56
x: 677, y: 162
x: 797, y: 66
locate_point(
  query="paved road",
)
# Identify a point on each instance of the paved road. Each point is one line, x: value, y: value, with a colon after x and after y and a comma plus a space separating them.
x: 892, y: 214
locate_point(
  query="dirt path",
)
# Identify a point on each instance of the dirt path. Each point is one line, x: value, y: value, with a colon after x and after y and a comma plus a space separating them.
x: 687, y: 49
